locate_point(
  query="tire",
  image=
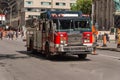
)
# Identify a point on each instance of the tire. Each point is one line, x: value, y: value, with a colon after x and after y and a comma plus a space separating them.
x: 28, y: 49
x: 118, y: 45
x: 34, y: 51
x: 82, y: 56
x: 47, y: 51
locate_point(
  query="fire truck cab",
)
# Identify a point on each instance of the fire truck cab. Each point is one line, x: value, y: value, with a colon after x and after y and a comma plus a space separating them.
x: 61, y: 33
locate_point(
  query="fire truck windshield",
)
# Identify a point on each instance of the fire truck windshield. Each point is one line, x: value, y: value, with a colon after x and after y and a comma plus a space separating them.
x: 71, y: 25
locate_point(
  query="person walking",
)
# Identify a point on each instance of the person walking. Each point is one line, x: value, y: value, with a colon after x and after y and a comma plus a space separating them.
x: 100, y: 37
x: 107, y: 37
x: 94, y: 32
x: 1, y: 35
x: 116, y: 38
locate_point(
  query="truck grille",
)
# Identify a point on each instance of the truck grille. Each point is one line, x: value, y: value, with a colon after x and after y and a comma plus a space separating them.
x: 75, y: 48
x: 74, y: 39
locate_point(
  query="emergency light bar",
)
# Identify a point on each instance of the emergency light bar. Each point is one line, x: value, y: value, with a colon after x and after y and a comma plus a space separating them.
x: 70, y: 15
x: 64, y: 15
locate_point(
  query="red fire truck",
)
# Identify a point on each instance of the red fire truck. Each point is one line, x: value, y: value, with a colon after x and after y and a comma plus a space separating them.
x: 61, y: 33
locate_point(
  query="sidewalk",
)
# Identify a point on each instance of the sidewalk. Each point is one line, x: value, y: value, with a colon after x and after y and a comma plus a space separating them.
x: 112, y: 46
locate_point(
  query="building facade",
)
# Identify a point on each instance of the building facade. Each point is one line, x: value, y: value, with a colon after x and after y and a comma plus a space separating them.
x: 103, y: 14
x: 33, y: 8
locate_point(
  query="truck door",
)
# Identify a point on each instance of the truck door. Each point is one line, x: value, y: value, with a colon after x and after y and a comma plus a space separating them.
x: 39, y: 40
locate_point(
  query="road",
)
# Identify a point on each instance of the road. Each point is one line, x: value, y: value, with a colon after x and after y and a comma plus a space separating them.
x: 17, y: 64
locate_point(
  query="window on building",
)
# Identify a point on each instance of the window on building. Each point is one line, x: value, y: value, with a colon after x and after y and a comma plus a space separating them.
x: 32, y: 9
x: 43, y: 9
x: 46, y: 3
x: 28, y: 9
x: 33, y: 16
x: 37, y: 10
x: 60, y: 4
x: 28, y: 2
x: 60, y: 9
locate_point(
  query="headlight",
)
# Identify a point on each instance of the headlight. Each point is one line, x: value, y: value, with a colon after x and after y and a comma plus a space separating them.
x: 57, y: 45
x: 86, y: 41
x: 88, y: 34
x: 61, y: 41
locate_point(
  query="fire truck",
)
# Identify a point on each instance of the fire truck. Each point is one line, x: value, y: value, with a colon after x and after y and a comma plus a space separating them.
x: 61, y: 33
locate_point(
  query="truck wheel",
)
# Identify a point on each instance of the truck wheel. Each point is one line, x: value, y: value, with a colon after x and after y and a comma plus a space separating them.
x: 30, y: 46
x: 34, y: 51
x: 28, y: 49
x: 82, y: 56
x: 118, y: 45
x: 47, y: 51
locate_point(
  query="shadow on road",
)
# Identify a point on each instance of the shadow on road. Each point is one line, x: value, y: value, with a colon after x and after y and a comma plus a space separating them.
x: 36, y: 55
x: 61, y: 58
x: 54, y: 58
x: 2, y: 64
x: 11, y: 56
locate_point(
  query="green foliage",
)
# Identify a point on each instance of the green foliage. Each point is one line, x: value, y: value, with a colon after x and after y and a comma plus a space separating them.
x: 84, y: 5
x: 73, y: 7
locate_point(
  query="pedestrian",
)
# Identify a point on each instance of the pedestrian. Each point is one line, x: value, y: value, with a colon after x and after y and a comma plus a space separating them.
x: 100, y: 37
x: 103, y: 28
x: 22, y: 33
x: 94, y: 45
x: 107, y: 37
x: 94, y: 48
x: 104, y: 40
x: 116, y: 38
x: 1, y: 35
x: 8, y: 34
x: 12, y: 34
x: 16, y: 34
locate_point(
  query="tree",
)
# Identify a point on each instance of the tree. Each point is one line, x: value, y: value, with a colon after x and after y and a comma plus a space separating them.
x: 84, y: 5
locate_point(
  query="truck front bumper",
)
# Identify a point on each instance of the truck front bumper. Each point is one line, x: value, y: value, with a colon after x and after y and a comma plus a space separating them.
x: 76, y: 49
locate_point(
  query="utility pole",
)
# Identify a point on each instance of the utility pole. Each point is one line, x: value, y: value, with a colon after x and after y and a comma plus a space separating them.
x: 10, y: 15
x: 19, y: 17
x: 11, y: 6
x: 92, y: 12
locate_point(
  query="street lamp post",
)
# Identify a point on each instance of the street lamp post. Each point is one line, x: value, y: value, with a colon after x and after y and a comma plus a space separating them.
x: 92, y: 12
x: 20, y: 25
x: 10, y: 15
x: 11, y: 6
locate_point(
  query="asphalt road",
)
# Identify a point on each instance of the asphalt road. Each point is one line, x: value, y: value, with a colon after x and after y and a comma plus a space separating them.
x: 17, y: 64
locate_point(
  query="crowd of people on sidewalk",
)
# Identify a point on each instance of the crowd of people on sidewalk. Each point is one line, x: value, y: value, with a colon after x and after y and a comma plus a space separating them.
x: 11, y: 34
x: 100, y: 37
